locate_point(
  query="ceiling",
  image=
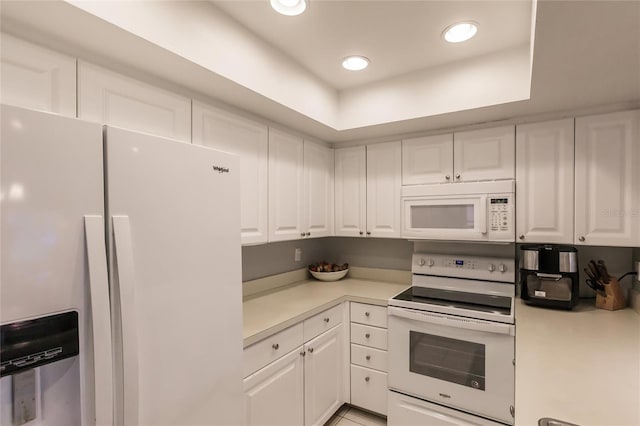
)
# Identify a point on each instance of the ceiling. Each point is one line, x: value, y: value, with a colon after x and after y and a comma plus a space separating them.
x: 398, y: 37
x: 585, y: 58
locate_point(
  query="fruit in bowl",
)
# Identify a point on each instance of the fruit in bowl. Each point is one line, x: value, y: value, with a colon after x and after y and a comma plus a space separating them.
x: 324, y: 271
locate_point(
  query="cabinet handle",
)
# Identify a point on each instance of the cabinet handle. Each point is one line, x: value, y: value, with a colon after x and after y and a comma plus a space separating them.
x: 368, y: 232
x: 457, y: 176
x: 366, y: 314
x: 308, y: 234
x: 521, y: 237
x: 303, y: 353
x: 275, y: 346
x: 302, y: 234
x: 447, y: 177
x: 326, y: 319
x: 310, y: 350
x: 361, y: 232
x: 581, y: 238
x: 367, y: 335
x: 366, y: 379
x: 368, y: 357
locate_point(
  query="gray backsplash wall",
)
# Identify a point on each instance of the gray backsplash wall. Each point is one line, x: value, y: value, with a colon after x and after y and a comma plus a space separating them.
x: 384, y: 253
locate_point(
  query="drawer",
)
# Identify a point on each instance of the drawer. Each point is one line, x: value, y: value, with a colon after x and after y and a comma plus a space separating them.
x: 318, y: 324
x: 374, y: 337
x: 369, y: 357
x: 369, y: 389
x: 369, y: 314
x: 270, y: 349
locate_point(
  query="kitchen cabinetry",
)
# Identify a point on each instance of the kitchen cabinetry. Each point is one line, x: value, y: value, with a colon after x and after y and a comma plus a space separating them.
x: 369, y: 357
x: 36, y: 78
x: 607, y: 179
x: 110, y: 98
x: 368, y: 184
x: 476, y: 155
x: 544, y: 180
x: 300, y: 188
x: 297, y: 376
x: 219, y: 129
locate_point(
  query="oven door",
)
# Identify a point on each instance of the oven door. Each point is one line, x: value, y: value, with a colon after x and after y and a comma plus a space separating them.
x: 459, y: 362
x: 445, y: 217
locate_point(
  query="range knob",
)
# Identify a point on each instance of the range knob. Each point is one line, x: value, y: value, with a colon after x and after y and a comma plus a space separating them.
x: 502, y: 267
x: 491, y: 267
x: 421, y: 262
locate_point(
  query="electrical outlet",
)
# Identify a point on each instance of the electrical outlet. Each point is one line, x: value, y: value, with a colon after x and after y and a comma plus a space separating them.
x: 297, y: 254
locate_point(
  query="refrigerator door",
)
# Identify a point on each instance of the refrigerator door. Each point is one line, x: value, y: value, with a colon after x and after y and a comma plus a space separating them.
x: 51, y: 177
x: 175, y: 269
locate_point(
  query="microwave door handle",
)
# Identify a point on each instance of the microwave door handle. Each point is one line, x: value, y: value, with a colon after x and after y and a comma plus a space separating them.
x: 449, y: 321
x: 483, y: 214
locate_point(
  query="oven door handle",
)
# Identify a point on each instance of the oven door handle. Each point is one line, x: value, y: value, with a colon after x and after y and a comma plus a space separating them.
x: 451, y: 321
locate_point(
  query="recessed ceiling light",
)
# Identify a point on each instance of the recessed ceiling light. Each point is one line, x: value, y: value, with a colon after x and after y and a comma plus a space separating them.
x: 355, y: 63
x: 289, y: 7
x: 462, y: 31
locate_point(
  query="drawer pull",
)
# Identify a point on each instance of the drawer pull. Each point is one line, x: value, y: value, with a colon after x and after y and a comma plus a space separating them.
x: 275, y: 346
x: 326, y: 319
x: 310, y: 350
x: 366, y: 379
x: 368, y: 357
x: 367, y: 335
x: 367, y: 314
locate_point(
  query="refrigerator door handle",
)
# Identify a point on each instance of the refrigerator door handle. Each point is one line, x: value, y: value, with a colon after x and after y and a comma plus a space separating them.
x: 101, y: 319
x: 125, y: 274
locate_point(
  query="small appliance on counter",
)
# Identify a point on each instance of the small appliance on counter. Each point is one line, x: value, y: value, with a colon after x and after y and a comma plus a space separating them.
x: 549, y: 275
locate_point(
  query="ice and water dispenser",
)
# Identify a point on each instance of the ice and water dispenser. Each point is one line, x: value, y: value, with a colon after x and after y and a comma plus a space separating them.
x: 40, y: 371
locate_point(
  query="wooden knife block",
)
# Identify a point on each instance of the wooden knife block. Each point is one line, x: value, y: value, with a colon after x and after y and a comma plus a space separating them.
x: 614, y: 298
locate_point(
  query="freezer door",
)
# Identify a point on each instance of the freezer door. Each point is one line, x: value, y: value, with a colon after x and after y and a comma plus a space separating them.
x: 51, y: 177
x: 176, y: 281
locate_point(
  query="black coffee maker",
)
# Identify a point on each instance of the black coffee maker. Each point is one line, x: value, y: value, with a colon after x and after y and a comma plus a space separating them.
x: 549, y: 275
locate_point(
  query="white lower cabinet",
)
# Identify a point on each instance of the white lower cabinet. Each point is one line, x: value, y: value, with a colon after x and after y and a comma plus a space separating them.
x: 306, y: 385
x: 274, y: 394
x: 369, y: 357
x: 407, y: 411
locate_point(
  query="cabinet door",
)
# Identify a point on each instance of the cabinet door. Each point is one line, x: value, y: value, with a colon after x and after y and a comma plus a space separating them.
x: 224, y: 131
x: 427, y: 160
x: 384, y: 183
x: 608, y: 179
x: 274, y: 394
x: 487, y: 154
x: 36, y: 78
x: 110, y: 98
x: 285, y: 186
x: 324, y: 374
x: 318, y: 188
x: 351, y: 191
x: 544, y: 179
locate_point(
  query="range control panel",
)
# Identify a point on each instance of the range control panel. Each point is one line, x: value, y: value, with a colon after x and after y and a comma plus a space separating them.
x: 473, y: 267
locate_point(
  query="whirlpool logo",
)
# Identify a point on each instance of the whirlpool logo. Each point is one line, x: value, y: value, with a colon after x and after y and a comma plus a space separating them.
x: 220, y: 169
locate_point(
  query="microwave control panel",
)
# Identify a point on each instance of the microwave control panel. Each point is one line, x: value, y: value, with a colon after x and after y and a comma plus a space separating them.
x: 501, y: 217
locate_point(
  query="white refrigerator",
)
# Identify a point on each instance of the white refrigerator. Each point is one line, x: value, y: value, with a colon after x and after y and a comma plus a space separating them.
x: 141, y: 236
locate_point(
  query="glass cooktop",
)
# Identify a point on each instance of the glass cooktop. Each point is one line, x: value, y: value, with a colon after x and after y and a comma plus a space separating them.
x: 456, y: 299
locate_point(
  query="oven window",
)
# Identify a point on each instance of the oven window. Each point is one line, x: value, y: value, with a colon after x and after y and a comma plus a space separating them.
x: 454, y: 216
x: 451, y: 360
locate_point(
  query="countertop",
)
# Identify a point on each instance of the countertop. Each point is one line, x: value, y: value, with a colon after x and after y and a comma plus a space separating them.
x: 580, y: 366
x: 274, y: 311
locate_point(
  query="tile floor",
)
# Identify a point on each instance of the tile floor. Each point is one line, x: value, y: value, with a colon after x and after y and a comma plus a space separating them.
x: 351, y: 416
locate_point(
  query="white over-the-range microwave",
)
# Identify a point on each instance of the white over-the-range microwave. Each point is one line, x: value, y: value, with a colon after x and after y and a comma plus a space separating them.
x: 472, y: 211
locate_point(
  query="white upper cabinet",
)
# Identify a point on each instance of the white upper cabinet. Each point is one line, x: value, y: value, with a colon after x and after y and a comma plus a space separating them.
x: 351, y: 191
x: 219, y: 129
x: 384, y: 183
x: 111, y: 98
x: 318, y: 188
x: 286, y: 183
x: 487, y: 154
x: 427, y: 159
x: 36, y: 78
x: 544, y: 182
x: 607, y: 176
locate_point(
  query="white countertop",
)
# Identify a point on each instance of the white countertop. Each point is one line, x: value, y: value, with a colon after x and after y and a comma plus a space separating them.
x: 580, y: 366
x: 267, y: 314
